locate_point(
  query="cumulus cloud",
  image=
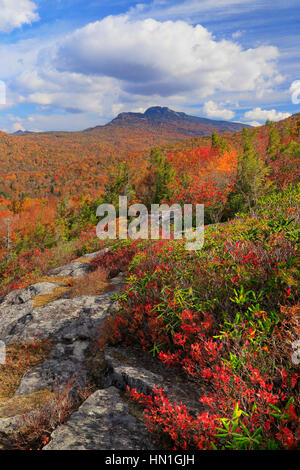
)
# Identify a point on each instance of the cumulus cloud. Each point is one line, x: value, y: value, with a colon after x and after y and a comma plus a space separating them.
x: 52, y: 122
x: 72, y: 92
x: 19, y: 57
x: 18, y: 127
x: 253, y: 123
x: 120, y: 64
x: 165, y: 58
x: 213, y: 110
x: 295, y: 92
x: 15, y: 13
x: 266, y: 114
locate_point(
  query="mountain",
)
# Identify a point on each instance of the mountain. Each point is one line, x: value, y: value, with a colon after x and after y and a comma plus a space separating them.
x: 22, y: 132
x: 78, y: 163
x: 173, y: 124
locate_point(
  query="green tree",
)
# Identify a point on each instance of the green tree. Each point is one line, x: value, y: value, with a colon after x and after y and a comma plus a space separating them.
x: 219, y: 143
x: 251, y: 181
x: 118, y: 184
x: 163, y: 176
x: 273, y: 148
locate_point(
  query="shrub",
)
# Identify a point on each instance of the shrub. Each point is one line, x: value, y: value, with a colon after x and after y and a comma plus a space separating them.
x: 226, y: 316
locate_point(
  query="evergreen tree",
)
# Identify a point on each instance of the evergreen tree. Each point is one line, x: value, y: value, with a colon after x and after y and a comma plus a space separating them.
x: 118, y: 185
x: 273, y: 148
x: 215, y: 140
x: 163, y: 176
x: 219, y: 143
x: 251, y: 182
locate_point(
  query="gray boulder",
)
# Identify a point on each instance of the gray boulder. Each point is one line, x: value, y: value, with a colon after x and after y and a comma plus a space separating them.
x: 103, y: 422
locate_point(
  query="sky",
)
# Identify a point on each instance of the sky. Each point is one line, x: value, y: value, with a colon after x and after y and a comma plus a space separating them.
x: 73, y: 64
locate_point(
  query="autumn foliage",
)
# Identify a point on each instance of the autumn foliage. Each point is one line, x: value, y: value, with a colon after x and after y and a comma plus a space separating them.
x: 225, y: 316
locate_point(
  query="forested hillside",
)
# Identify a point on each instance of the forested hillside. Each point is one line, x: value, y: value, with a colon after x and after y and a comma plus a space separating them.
x: 69, y: 175
x: 76, y: 163
x: 225, y: 318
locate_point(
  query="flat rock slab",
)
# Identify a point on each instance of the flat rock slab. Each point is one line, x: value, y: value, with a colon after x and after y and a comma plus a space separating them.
x: 19, y: 303
x: 9, y: 426
x: 71, y: 324
x: 19, y: 318
x: 78, y: 269
x: 97, y: 254
x: 103, y: 422
x: 123, y: 370
x: 63, y: 319
x: 54, y: 373
x: 129, y: 366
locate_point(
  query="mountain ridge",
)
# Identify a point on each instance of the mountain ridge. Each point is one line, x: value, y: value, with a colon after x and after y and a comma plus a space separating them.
x: 178, y: 125
x: 155, y: 113
x: 158, y: 117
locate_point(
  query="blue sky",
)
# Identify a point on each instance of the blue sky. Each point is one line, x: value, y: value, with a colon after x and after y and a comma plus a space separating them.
x: 72, y: 64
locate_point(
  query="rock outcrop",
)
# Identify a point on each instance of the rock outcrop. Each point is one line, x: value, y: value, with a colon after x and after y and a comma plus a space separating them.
x: 104, y: 420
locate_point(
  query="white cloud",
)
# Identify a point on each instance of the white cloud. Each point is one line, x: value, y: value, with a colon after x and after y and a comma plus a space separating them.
x: 17, y: 127
x: 162, y: 9
x: 120, y: 64
x: 266, y: 114
x: 295, y: 92
x: 195, y: 10
x: 2, y: 93
x: 53, y: 122
x: 237, y: 34
x: 253, y: 123
x: 15, y: 13
x: 19, y: 57
x: 212, y: 110
x: 148, y: 58
x: 72, y: 92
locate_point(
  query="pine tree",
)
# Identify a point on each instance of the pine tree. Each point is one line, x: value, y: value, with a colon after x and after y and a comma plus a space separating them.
x: 163, y: 176
x: 251, y: 182
x: 118, y: 185
x: 273, y: 148
x: 215, y: 140
x: 219, y: 143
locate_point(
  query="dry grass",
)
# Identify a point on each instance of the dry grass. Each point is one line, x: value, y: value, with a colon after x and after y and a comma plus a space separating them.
x: 94, y: 283
x: 44, y: 299
x: 19, y: 359
x: 83, y: 259
x: 21, y: 404
x: 64, y: 280
x: 121, y: 358
x: 35, y: 429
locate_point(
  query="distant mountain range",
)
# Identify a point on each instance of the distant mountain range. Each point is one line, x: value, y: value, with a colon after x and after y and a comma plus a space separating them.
x: 22, y: 132
x: 76, y: 163
x: 164, y: 122
x: 171, y: 122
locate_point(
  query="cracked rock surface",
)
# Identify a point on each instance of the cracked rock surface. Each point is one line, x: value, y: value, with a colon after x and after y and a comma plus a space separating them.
x: 129, y: 366
x: 103, y: 422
